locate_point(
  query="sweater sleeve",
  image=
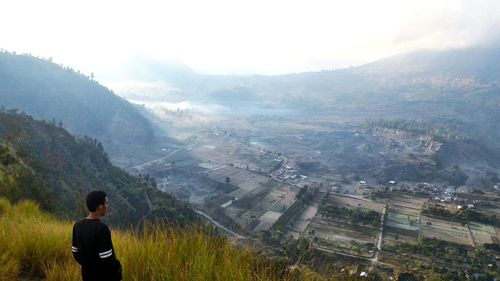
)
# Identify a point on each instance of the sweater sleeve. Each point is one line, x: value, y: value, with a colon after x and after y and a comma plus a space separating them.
x: 75, y: 248
x: 107, y: 257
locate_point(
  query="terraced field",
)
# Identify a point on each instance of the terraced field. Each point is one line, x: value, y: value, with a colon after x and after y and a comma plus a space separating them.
x: 259, y: 208
x: 300, y: 225
x: 483, y: 234
x: 402, y: 224
x: 340, y: 233
x: 348, y: 201
x: 445, y: 230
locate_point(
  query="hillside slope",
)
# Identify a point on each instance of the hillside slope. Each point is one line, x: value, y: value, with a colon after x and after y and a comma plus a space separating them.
x: 51, y: 92
x: 45, y: 163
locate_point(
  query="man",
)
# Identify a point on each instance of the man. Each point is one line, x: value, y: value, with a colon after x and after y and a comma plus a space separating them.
x: 92, y: 246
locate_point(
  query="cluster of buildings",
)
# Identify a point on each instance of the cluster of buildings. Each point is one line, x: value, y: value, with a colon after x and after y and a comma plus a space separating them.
x: 289, y: 173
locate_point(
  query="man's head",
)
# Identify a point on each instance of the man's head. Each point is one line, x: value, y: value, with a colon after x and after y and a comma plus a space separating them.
x: 97, y: 202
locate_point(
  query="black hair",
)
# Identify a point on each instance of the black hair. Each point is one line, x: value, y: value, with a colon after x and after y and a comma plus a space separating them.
x: 94, y: 199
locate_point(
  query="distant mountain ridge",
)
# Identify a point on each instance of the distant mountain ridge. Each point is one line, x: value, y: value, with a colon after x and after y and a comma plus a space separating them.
x: 460, y: 86
x: 479, y: 63
x: 472, y: 67
x: 48, y: 91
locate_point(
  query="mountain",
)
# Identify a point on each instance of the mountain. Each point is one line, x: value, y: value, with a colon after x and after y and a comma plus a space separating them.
x: 49, y: 91
x: 460, y: 86
x: 478, y: 63
x: 404, y: 82
x: 45, y: 163
x: 441, y: 71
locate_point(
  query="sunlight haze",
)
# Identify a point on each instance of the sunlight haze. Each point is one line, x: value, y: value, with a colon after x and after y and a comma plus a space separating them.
x: 241, y: 37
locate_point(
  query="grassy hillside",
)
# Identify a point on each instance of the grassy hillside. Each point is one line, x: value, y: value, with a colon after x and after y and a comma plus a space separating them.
x: 34, y: 244
x: 18, y: 180
x: 45, y: 163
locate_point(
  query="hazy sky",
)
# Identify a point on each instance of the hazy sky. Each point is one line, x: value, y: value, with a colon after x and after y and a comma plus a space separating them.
x: 233, y: 36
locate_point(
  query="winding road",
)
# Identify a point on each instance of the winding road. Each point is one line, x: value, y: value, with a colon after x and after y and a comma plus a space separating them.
x: 141, y: 166
x: 217, y: 224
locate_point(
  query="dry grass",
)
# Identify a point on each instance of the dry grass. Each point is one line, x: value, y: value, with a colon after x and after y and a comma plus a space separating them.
x: 9, y: 268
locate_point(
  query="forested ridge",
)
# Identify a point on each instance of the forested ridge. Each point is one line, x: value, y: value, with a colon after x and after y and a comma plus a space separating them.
x: 45, y: 163
x: 82, y: 105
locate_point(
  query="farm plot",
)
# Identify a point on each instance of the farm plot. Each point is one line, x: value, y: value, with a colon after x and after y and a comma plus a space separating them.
x: 300, y: 225
x: 287, y: 199
x: 248, y: 180
x: 238, y: 154
x: 396, y: 236
x: 483, y: 233
x: 272, y: 206
x: 346, y: 224
x: 399, y: 229
x: 255, y: 208
x: 445, y: 230
x: 233, y: 212
x: 239, y: 193
x: 402, y: 210
x: 242, y: 217
x: 355, y: 202
x: 269, y: 201
x: 251, y: 183
x: 343, y: 236
x: 406, y: 205
x: 221, y: 174
x: 178, y: 157
x: 405, y: 222
x: 494, y: 208
x: 210, y: 166
x: 402, y: 224
x: 253, y: 197
x: 407, y: 201
x: 267, y: 220
x: 242, y: 178
x: 339, y: 228
x: 187, y: 163
x: 218, y: 153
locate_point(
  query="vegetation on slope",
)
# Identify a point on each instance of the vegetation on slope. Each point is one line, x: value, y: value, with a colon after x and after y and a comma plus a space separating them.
x: 52, y: 92
x: 458, y: 158
x: 45, y: 163
x: 19, y: 181
x: 464, y: 216
x: 437, y: 130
